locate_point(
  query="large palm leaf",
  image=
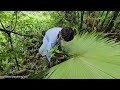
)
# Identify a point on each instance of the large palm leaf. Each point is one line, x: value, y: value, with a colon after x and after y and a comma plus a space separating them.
x: 92, y: 58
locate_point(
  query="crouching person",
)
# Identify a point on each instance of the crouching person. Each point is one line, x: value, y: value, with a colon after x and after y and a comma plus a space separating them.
x: 53, y: 37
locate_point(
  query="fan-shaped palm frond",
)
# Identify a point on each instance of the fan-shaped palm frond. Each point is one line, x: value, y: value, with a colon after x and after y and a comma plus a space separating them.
x: 93, y: 57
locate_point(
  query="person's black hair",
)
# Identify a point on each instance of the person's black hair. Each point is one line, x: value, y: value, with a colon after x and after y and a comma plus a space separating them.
x: 67, y: 33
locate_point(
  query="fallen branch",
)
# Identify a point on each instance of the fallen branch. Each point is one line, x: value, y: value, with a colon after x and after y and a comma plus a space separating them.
x: 113, y: 33
x: 21, y: 72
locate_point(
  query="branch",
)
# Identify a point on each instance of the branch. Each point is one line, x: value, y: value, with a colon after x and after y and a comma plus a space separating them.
x: 2, y: 24
x: 7, y: 31
x: 113, y: 33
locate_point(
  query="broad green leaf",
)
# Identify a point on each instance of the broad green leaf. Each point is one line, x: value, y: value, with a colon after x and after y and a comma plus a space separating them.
x: 93, y: 58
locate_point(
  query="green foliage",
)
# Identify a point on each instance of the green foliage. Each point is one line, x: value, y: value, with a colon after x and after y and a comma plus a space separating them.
x: 55, y: 50
x: 93, y: 57
x: 34, y: 23
x: 27, y: 22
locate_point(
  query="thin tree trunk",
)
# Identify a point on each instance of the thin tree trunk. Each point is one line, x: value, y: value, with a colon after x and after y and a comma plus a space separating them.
x: 15, y: 21
x: 82, y: 14
x: 88, y: 23
x: 10, y: 40
x: 111, y: 21
x: 93, y: 26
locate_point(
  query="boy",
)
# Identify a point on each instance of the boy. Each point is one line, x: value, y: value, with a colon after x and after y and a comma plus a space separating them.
x: 53, y: 37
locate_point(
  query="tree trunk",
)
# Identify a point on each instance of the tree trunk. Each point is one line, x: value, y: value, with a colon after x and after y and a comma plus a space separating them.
x: 88, y: 21
x: 111, y: 21
x: 10, y: 40
x: 82, y: 14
